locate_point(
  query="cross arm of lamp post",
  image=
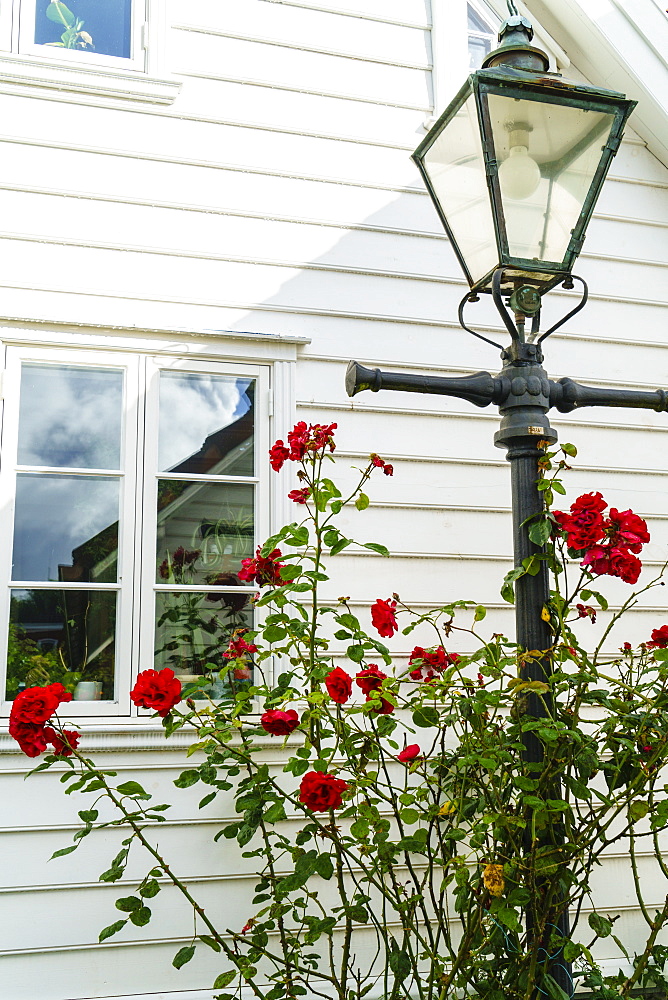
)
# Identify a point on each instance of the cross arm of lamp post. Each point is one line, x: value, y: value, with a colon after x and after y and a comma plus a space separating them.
x: 482, y: 389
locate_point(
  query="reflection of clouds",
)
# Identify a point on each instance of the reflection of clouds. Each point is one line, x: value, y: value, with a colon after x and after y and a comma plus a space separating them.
x: 191, y: 408
x: 56, y: 514
x: 70, y: 417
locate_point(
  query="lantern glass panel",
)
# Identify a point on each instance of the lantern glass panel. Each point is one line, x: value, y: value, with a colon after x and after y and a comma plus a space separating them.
x: 456, y: 169
x: 548, y: 155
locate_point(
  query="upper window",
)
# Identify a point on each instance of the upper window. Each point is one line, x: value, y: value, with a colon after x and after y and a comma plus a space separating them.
x: 131, y: 487
x: 106, y: 32
x: 481, y: 36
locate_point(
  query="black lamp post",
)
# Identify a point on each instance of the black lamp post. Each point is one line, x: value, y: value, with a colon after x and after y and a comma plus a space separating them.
x: 514, y: 167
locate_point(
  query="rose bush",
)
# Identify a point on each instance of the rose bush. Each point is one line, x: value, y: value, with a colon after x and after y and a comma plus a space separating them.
x: 448, y: 862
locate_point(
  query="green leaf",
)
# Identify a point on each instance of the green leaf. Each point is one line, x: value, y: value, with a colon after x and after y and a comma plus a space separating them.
x: 149, y: 890
x: 187, y: 778
x: 224, y: 979
x: 553, y: 989
x: 348, y: 621
x: 127, y: 904
x: 58, y: 12
x: 356, y: 653
x: 480, y: 613
x: 410, y: 816
x: 133, y: 788
x: 539, y: 532
x: 289, y: 572
x: 376, y: 547
x: 63, y: 851
x: 509, y: 917
x: 341, y: 544
x: 600, y: 925
x: 141, y: 916
x: 210, y: 942
x: 275, y: 813
x: 425, y: 717
x: 638, y: 810
x: 572, y: 950
x: 602, y: 603
x: 570, y: 450
x: 274, y: 633
x: 89, y: 815
x: 557, y: 487
x: 324, y: 866
x: 400, y: 962
x: 183, y: 955
x: 362, y: 501
x: 111, y: 929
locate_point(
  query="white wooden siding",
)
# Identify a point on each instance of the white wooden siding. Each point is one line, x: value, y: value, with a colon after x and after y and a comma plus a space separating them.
x: 277, y: 196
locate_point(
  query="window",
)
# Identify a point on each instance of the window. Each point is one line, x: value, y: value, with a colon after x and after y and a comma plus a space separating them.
x: 482, y: 36
x: 135, y: 495
x: 104, y: 33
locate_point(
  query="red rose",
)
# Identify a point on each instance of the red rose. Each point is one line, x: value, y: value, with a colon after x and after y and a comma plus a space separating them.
x: 584, y: 525
x: 263, y: 570
x: 238, y: 648
x: 659, y: 638
x: 63, y: 743
x: 427, y: 663
x: 339, y: 685
x: 597, y: 560
x: 279, y: 723
x: 628, y: 530
x: 370, y: 678
x: 378, y: 463
x: 37, y: 704
x: 381, y: 705
x: 586, y: 611
x: 29, y: 736
x: 157, y: 689
x: 588, y: 503
x: 313, y: 438
x: 389, y: 469
x: 624, y: 565
x: 300, y: 496
x: 383, y: 618
x: 409, y: 753
x: 277, y: 455
x: 321, y: 792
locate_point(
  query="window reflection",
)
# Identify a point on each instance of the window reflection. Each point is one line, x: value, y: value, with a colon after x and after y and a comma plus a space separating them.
x: 65, y: 528
x: 62, y: 635
x: 206, y: 424
x: 70, y: 417
x: 204, y: 530
x: 101, y: 26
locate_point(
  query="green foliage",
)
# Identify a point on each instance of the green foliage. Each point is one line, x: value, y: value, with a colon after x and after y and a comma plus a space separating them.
x: 444, y: 855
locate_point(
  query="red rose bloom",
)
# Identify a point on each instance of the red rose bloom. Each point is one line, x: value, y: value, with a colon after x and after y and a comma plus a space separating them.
x: 409, y: 753
x: 586, y: 611
x: 389, y: 469
x: 157, y: 689
x: 37, y: 704
x: 628, y: 530
x: 278, y: 723
x: 378, y: 463
x: 239, y: 648
x: 263, y: 570
x: 300, y: 496
x: 277, y: 455
x: 63, y: 743
x: 383, y: 618
x: 370, y: 679
x: 29, y: 736
x: 597, y: 560
x: 427, y: 663
x: 381, y: 705
x: 320, y: 792
x: 339, y: 685
x: 584, y: 525
x: 659, y: 638
x: 624, y: 565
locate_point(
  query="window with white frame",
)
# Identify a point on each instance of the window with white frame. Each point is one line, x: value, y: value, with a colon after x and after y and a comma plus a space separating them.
x: 482, y: 29
x: 134, y: 491
x: 101, y: 32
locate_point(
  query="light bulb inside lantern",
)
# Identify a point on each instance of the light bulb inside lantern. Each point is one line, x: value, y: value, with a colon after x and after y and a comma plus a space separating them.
x: 519, y: 174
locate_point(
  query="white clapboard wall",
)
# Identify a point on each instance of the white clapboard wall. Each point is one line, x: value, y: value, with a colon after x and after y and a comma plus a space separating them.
x: 276, y: 195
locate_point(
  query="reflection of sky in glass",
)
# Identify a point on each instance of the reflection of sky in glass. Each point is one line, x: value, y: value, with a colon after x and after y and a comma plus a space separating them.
x: 107, y: 26
x: 194, y: 407
x: 70, y: 417
x: 56, y: 514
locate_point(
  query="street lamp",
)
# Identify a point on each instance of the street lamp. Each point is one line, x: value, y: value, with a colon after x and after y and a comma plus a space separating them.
x: 514, y: 167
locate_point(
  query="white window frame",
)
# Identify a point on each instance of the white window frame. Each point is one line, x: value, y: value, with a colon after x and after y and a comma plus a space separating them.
x: 136, y: 586
x: 36, y: 70
x: 23, y: 34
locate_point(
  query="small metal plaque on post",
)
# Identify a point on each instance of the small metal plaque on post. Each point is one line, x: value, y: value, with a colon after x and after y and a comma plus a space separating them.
x: 532, y: 429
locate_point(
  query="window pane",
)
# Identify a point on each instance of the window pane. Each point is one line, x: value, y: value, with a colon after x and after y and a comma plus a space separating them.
x: 478, y: 49
x: 204, y: 531
x: 476, y: 22
x: 101, y: 26
x: 62, y: 635
x: 66, y: 528
x: 70, y: 417
x: 206, y: 424
x: 194, y: 630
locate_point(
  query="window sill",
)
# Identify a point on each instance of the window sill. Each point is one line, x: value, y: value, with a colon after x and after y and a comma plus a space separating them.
x: 32, y: 76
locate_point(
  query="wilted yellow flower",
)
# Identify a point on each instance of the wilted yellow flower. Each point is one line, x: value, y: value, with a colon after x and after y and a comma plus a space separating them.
x: 446, y: 809
x: 492, y: 878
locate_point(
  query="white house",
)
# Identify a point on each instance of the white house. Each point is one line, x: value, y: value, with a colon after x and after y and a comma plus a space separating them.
x: 207, y: 209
